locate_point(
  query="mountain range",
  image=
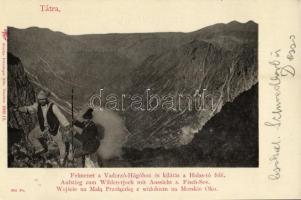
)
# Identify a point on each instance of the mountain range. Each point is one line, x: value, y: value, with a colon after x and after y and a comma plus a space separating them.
x: 222, y: 59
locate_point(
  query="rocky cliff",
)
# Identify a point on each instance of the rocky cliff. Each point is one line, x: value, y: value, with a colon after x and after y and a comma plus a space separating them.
x: 229, y: 139
x: 20, y: 93
x: 221, y: 70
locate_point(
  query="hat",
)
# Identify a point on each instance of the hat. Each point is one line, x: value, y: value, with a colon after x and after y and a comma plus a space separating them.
x: 43, y: 95
x: 88, y: 114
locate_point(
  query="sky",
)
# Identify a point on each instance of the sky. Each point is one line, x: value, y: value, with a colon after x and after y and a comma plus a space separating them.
x: 127, y: 16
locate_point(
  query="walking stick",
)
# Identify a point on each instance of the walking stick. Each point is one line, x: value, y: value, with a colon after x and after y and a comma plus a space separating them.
x: 72, y: 123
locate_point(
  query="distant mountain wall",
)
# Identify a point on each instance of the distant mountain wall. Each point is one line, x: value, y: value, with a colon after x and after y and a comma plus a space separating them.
x: 223, y: 70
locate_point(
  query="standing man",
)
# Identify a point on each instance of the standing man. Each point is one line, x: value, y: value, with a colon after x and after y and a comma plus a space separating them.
x: 51, y: 121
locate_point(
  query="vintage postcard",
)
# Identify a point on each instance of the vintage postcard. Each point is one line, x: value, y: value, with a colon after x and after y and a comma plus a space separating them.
x: 150, y: 99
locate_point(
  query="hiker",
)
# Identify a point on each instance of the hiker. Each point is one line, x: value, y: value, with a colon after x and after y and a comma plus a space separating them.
x: 51, y: 123
x: 87, y: 138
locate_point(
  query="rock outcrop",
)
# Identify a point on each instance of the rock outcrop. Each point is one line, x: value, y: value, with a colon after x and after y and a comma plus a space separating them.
x: 20, y: 93
x: 229, y: 139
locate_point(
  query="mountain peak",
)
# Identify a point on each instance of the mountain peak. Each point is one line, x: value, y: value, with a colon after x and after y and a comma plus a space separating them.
x: 234, y: 22
x: 238, y: 25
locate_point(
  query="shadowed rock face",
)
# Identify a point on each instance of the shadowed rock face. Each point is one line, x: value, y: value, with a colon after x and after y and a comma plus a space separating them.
x: 221, y: 59
x: 20, y: 93
x: 229, y: 139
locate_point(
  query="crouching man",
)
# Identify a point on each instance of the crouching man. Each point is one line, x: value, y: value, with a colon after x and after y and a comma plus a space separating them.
x: 51, y: 121
x: 87, y: 140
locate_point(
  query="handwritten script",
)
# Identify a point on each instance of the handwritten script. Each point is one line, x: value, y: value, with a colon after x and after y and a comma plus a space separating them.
x: 282, y: 68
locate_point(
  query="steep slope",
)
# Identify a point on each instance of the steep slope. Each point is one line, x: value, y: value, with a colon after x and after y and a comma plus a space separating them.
x: 221, y: 59
x: 233, y: 133
x: 85, y: 63
x: 55, y: 56
x: 229, y: 139
x: 198, y: 65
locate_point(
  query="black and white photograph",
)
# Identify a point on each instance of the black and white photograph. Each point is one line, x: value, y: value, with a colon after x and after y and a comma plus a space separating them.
x: 132, y: 100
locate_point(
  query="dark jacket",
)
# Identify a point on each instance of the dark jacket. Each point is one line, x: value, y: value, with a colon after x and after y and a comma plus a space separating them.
x: 90, y: 136
x: 52, y: 120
